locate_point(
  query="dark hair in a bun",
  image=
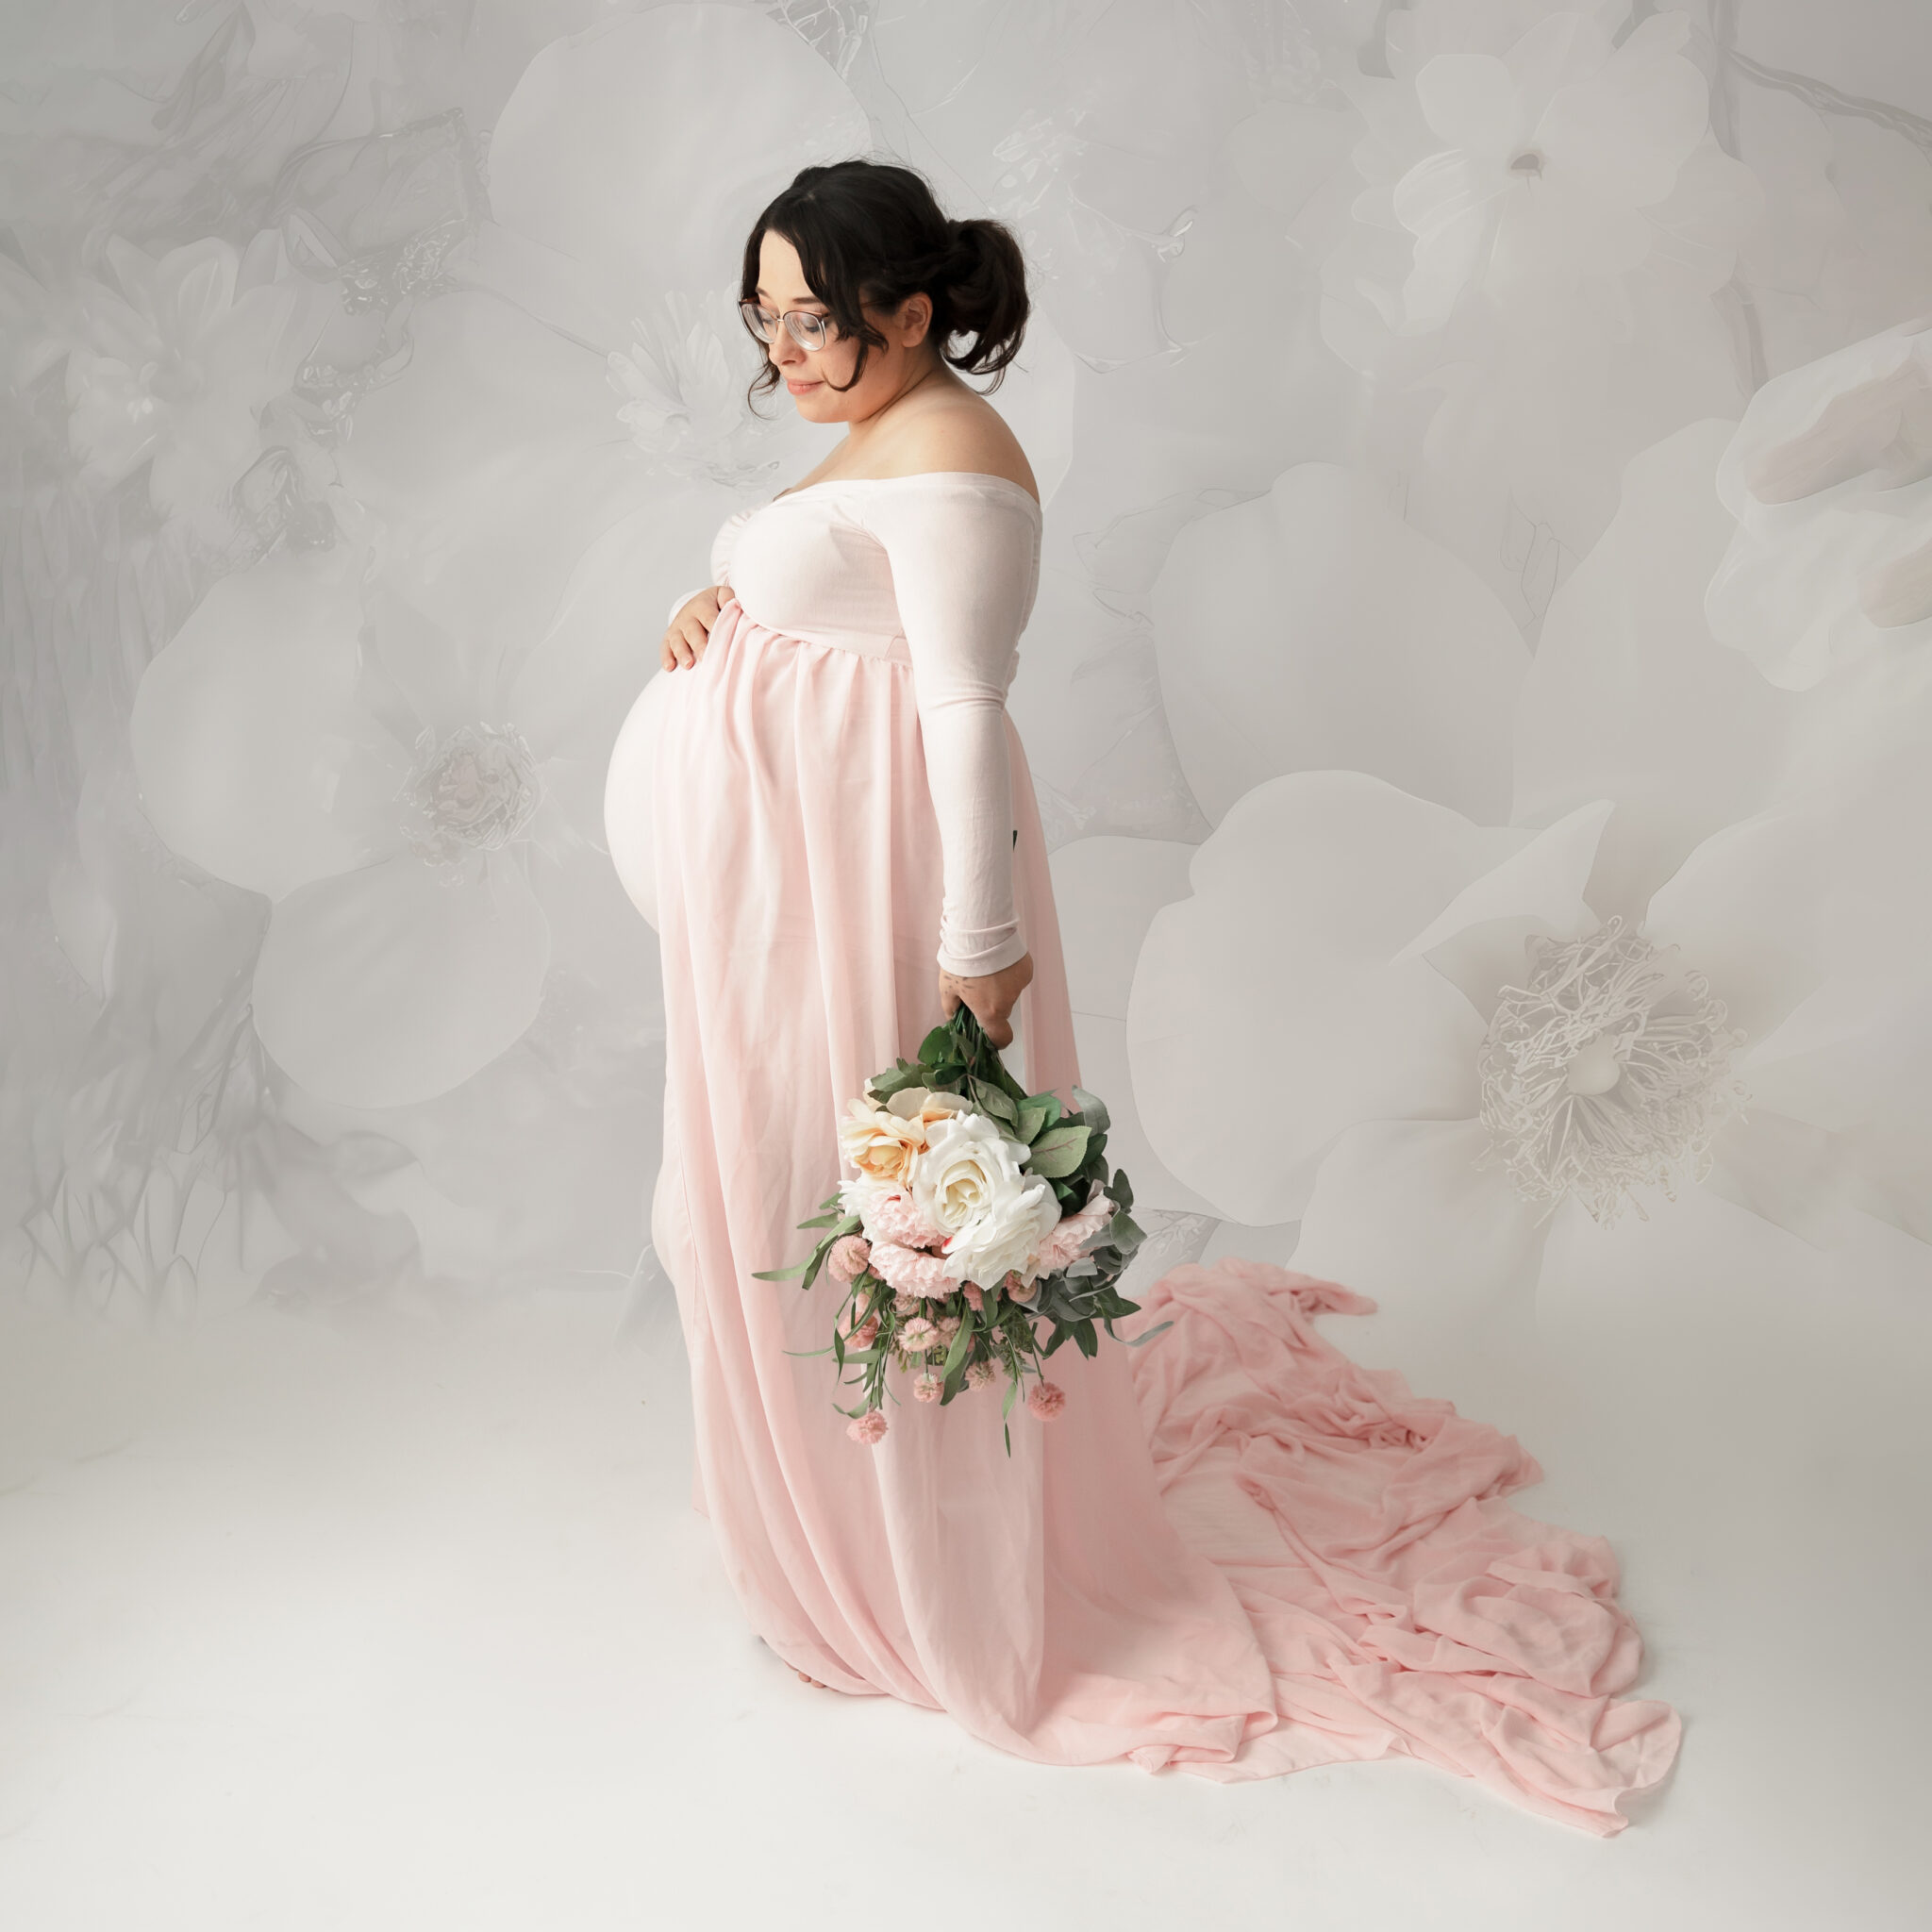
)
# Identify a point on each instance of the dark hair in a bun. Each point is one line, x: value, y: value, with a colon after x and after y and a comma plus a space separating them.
x: 872, y: 231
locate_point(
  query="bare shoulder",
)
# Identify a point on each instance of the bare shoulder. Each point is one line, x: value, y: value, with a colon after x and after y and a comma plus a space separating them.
x: 962, y: 430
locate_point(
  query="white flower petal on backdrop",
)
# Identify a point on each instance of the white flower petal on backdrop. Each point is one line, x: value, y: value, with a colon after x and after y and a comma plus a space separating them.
x: 1312, y: 629
x: 1828, y: 481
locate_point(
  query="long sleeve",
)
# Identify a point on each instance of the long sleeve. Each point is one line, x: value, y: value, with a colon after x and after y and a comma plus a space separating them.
x: 964, y: 565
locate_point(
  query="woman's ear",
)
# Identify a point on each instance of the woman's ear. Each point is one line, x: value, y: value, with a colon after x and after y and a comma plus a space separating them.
x: 915, y: 318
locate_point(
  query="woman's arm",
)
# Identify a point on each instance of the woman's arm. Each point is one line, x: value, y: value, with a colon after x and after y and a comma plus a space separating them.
x: 963, y: 563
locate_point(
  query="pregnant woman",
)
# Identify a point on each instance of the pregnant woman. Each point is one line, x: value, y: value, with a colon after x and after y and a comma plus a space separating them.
x: 1233, y: 1550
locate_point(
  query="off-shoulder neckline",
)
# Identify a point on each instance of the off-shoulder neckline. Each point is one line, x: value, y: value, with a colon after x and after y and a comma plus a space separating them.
x: 1019, y: 490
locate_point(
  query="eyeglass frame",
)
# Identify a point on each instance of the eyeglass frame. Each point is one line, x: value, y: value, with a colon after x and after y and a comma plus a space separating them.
x: 749, y: 307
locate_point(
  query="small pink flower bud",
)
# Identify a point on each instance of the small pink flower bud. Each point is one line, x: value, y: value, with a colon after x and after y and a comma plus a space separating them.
x: 1046, y: 1399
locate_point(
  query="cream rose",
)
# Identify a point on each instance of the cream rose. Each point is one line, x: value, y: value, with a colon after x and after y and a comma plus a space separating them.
x: 881, y: 1145
x: 880, y: 1140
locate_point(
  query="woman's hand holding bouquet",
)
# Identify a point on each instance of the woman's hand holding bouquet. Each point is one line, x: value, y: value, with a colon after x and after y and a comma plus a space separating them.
x: 977, y: 1210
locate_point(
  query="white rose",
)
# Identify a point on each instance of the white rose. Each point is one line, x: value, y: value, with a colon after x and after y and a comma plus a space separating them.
x: 967, y: 1181
x: 1006, y: 1235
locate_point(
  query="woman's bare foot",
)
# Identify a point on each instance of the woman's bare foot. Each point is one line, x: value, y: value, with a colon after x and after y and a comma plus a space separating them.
x: 803, y: 1677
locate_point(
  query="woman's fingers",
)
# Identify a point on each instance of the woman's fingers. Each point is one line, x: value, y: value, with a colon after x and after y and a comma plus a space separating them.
x: 685, y: 641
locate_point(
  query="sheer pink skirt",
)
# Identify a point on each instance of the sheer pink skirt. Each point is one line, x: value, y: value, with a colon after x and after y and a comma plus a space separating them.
x: 1233, y: 1550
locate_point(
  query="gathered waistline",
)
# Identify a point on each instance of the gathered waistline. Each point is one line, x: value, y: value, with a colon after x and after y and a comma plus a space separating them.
x: 860, y: 643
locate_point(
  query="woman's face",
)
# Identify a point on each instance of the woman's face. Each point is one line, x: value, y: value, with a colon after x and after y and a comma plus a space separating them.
x: 809, y: 373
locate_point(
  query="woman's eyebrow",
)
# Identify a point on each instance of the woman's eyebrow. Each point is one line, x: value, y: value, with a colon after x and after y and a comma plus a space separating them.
x: 761, y: 290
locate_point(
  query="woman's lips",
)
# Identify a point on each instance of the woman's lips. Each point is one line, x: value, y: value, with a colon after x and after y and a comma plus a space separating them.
x: 798, y: 389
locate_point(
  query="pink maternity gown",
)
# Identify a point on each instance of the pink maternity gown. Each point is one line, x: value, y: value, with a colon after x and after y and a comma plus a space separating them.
x: 1234, y: 1552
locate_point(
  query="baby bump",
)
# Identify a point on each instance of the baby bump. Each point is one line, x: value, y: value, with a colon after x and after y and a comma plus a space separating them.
x: 790, y: 791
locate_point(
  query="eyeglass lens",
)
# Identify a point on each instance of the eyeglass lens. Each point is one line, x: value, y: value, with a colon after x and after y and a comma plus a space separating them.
x: 807, y: 329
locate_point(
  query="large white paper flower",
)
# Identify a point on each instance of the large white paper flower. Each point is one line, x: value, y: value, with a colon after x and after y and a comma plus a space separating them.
x: 409, y: 770
x: 1528, y: 275
x: 175, y: 366
x: 1462, y: 1027
x: 1542, y: 165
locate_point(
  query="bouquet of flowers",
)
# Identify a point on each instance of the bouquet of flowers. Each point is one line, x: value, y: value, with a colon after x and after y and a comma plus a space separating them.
x: 979, y: 1209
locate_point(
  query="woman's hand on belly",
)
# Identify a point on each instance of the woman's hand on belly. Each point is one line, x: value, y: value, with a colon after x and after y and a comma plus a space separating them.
x: 691, y: 629
x: 992, y: 996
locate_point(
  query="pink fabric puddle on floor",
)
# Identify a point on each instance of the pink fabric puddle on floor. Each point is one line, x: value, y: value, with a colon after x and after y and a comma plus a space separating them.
x: 1404, y: 1607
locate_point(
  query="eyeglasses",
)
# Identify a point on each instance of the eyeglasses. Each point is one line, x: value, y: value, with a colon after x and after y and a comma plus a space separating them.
x: 808, y: 331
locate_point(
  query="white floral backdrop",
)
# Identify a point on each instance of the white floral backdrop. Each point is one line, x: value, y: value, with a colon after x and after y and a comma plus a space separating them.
x: 1479, y: 686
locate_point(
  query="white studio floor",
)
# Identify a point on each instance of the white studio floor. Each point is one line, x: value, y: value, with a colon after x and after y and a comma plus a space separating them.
x: 404, y: 1622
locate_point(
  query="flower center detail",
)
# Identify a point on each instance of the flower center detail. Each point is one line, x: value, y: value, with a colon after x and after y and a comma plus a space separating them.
x: 1612, y: 1064
x: 475, y: 790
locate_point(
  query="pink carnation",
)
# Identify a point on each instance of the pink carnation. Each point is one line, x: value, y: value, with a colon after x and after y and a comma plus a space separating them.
x: 910, y: 1272
x: 918, y: 1335
x: 1061, y: 1247
x: 894, y: 1218
x: 848, y: 1255
x: 928, y: 1387
x: 978, y: 1374
x: 865, y: 1334
x: 1046, y: 1399
x: 868, y: 1427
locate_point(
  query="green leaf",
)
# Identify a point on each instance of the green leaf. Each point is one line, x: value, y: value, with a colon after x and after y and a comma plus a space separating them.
x: 961, y: 1343
x: 1059, y: 1151
x: 992, y: 1102
x: 885, y: 1085
x: 778, y: 1274
x: 1006, y: 1407
x: 937, y: 1044
x: 1033, y: 1115
x: 846, y: 1224
x: 1093, y: 1110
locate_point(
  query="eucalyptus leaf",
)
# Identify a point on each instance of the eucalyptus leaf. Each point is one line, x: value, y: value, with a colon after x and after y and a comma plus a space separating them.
x: 1059, y: 1151
x: 992, y: 1102
x: 1093, y: 1110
